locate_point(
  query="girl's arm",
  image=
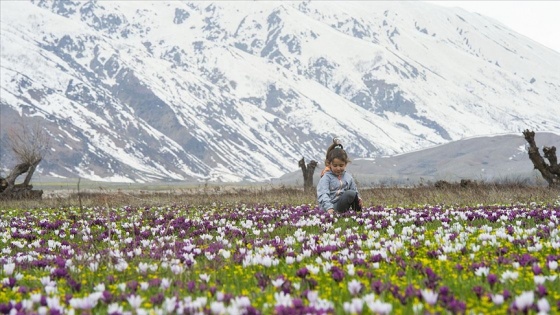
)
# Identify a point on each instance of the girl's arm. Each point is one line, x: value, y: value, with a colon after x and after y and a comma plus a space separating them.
x: 323, y: 194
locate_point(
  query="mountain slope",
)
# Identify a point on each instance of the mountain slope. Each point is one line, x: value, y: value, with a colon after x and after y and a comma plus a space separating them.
x: 231, y: 91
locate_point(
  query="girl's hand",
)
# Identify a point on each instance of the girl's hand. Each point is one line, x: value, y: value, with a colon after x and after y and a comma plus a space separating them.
x: 330, y: 211
x: 360, y: 202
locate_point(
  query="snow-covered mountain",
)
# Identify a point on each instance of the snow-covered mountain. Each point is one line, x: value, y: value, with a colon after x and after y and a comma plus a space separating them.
x: 241, y: 90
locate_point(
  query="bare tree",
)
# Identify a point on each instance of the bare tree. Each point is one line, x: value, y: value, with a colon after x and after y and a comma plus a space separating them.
x: 307, y: 173
x: 28, y: 144
x: 549, y: 171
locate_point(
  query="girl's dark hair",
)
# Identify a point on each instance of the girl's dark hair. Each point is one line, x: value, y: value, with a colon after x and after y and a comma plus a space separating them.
x: 337, y: 152
x: 341, y: 156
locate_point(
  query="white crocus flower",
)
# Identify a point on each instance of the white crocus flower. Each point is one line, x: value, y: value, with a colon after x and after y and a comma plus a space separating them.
x: 135, y: 301
x: 204, y: 277
x: 543, y: 306
x: 165, y: 283
x: 351, y: 269
x: 525, y: 300
x: 9, y: 269
x: 482, y: 271
x: 507, y: 275
x: 498, y: 299
x: 177, y: 269
x: 354, y: 307
x: 378, y: 307
x: 354, y: 287
x: 539, y: 279
x: 313, y: 269
x: 225, y: 253
x: 277, y: 282
x: 114, y: 308
x: 142, y: 268
x: 283, y: 299
x: 99, y: 288
x: 217, y: 308
x: 429, y: 296
x: 417, y: 308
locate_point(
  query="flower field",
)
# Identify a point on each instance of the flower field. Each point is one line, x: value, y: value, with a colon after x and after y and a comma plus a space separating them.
x: 265, y: 259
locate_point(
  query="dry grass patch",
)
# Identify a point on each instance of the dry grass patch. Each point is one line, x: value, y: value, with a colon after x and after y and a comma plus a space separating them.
x: 452, y: 194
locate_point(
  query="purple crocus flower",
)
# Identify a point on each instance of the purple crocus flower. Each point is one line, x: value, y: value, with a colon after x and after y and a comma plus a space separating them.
x: 213, y: 290
x: 302, y: 273
x: 492, y: 279
x: 60, y: 273
x: 541, y: 291
x: 297, y: 303
x: 5, y: 308
x: 157, y: 299
x: 23, y: 289
x: 60, y: 262
x: 191, y: 285
x: 154, y: 282
x: 202, y: 287
x: 506, y: 294
x: 377, y: 287
x: 478, y: 290
x: 132, y: 285
x: 43, y: 300
x: 526, y: 260
x: 457, y: 307
x: 76, y: 286
x: 110, y: 279
x: 444, y: 291
x: 11, y: 282
x: 54, y: 311
x: 411, y: 292
x: 337, y: 273
x: 107, y: 297
x: 286, y: 287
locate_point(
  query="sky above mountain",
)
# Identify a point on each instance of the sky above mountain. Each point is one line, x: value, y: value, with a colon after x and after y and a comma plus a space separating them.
x: 537, y: 20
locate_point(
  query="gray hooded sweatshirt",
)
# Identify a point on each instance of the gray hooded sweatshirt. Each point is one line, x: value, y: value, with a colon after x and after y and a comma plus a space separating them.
x: 330, y: 188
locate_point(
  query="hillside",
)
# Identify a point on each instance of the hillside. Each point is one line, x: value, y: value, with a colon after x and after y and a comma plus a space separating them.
x: 498, y: 158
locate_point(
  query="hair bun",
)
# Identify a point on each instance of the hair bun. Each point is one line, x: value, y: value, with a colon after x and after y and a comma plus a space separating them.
x: 338, y: 143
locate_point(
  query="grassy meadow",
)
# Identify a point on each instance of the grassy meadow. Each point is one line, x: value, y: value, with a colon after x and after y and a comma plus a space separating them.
x: 475, y: 249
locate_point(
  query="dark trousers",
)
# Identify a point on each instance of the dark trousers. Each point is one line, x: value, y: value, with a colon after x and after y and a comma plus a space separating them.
x: 348, y: 199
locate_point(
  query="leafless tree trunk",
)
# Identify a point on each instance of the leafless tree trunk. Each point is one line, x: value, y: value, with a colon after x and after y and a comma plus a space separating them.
x: 28, y: 145
x: 549, y: 171
x: 307, y: 173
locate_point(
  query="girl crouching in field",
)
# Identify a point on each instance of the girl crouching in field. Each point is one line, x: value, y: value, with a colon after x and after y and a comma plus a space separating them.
x: 337, y: 190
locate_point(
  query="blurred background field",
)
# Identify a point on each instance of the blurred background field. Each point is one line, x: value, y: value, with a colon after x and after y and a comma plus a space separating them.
x: 74, y: 192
